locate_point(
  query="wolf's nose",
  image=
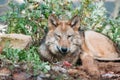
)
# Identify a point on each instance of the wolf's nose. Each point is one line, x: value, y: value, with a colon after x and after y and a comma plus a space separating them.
x: 64, y: 49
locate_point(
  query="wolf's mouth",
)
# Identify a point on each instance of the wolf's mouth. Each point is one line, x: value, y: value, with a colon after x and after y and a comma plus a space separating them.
x: 59, y: 49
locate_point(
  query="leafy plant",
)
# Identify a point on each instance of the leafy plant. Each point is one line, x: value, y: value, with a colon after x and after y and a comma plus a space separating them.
x: 29, y: 57
x: 114, y: 30
x: 93, y: 16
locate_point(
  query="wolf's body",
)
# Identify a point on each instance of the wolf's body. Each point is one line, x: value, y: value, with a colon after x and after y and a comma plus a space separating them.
x: 98, y: 46
x: 64, y: 39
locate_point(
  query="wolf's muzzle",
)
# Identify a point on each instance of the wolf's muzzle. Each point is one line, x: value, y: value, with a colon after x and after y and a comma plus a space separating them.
x: 62, y: 50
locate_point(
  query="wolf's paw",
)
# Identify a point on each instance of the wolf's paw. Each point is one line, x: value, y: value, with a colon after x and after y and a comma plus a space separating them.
x: 94, y: 73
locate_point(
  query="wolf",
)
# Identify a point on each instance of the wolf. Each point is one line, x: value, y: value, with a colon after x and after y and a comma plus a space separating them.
x: 64, y: 38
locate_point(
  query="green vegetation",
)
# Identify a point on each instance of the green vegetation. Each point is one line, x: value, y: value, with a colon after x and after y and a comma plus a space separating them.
x: 29, y: 58
x: 30, y: 18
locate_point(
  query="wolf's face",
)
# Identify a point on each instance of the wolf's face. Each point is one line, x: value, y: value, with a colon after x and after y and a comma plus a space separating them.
x: 63, y: 36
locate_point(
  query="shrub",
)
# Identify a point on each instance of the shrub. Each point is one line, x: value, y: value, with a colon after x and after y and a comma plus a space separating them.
x: 30, y: 18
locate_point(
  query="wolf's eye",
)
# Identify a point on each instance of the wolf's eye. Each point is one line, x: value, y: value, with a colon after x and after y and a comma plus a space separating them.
x: 57, y: 36
x: 69, y: 36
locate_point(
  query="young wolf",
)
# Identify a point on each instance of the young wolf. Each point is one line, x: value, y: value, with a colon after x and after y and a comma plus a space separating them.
x: 64, y: 38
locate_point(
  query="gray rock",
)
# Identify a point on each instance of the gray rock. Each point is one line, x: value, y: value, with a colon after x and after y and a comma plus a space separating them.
x: 39, y: 78
x: 16, y: 41
x: 5, y: 72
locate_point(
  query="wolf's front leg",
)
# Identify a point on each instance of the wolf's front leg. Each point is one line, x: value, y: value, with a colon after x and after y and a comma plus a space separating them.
x: 90, y: 66
x: 44, y: 53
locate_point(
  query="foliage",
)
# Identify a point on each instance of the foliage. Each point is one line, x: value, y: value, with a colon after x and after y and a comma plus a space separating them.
x: 29, y: 57
x: 93, y: 15
x: 113, y: 30
x: 30, y: 18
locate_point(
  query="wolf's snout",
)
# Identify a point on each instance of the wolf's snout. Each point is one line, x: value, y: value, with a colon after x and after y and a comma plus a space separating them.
x: 64, y: 49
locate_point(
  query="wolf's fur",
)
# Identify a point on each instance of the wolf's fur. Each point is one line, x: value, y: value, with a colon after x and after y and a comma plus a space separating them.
x: 99, y: 46
x: 61, y: 34
x: 64, y: 38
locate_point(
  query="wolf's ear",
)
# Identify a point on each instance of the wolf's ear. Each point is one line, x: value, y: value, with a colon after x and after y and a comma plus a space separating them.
x: 75, y: 22
x: 52, y: 21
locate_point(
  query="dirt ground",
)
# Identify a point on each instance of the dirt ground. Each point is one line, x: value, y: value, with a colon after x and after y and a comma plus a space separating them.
x: 108, y: 71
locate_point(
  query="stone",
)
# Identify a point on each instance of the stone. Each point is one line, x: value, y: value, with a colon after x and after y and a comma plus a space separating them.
x: 21, y: 76
x: 5, y: 72
x: 16, y: 41
x: 1, y: 49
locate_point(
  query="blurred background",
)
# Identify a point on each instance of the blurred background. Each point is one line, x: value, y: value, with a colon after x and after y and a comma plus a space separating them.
x: 112, y: 6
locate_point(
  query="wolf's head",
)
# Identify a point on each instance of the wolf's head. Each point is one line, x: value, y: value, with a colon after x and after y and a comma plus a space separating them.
x: 63, y: 36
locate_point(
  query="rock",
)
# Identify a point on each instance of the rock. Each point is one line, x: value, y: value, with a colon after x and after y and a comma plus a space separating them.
x: 110, y: 75
x: 20, y: 76
x: 72, y: 71
x: 59, y: 69
x: 1, y: 49
x: 16, y: 41
x: 47, y: 75
x: 39, y: 78
x: 5, y: 72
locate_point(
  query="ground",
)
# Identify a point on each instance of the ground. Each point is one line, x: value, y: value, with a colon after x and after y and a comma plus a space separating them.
x: 108, y: 70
